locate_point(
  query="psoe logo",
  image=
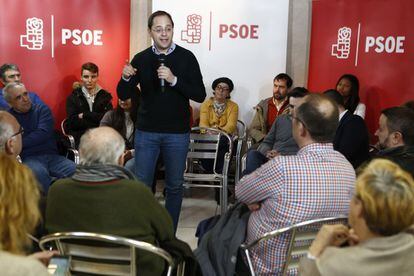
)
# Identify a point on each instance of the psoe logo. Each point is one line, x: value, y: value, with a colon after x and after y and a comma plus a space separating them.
x: 33, y: 39
x: 342, y: 48
x: 193, y: 32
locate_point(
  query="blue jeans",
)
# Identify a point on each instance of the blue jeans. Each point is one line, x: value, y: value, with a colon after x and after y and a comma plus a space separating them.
x: 130, y: 165
x: 254, y: 160
x: 46, y: 167
x: 174, y: 148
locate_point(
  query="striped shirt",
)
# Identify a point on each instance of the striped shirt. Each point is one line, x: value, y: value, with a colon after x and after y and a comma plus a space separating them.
x: 317, y: 182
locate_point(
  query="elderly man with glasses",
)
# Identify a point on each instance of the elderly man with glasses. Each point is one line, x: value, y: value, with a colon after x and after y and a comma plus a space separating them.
x: 37, y: 142
x: 10, y: 135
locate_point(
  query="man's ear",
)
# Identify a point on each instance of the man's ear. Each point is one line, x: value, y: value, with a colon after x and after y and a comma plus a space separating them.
x: 397, y: 138
x: 9, y: 147
x: 302, y: 129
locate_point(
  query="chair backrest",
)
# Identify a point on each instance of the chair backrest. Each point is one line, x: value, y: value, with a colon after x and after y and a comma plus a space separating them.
x: 302, y: 236
x: 204, y: 144
x: 240, y: 148
x: 102, y: 254
x: 63, y: 127
x: 241, y: 130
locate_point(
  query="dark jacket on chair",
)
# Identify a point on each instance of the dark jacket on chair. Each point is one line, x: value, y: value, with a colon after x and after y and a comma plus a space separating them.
x: 351, y: 139
x: 217, y: 253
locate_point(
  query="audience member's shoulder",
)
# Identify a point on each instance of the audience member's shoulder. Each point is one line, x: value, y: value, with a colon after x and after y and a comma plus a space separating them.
x: 12, y: 265
x: 234, y: 104
x: 136, y: 185
x: 41, y: 108
x: 263, y: 102
x: 60, y: 184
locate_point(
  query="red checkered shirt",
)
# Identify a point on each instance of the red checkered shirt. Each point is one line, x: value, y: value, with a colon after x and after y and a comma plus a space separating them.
x: 317, y: 182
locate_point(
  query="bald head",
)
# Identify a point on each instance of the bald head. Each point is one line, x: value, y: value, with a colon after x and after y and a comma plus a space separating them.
x: 102, y: 145
x: 10, y: 138
x: 319, y: 115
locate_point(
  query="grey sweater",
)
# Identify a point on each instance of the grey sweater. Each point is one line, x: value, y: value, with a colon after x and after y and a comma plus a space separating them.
x: 280, y: 137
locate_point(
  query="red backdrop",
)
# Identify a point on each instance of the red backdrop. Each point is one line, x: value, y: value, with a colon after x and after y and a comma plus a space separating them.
x: 98, y: 30
x: 381, y: 55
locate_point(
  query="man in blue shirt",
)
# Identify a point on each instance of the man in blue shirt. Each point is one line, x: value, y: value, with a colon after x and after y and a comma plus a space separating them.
x: 39, y: 150
x: 9, y: 72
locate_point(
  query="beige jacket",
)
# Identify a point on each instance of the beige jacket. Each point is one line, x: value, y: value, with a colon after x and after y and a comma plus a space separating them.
x: 258, y: 126
x: 384, y: 256
x: 13, y: 265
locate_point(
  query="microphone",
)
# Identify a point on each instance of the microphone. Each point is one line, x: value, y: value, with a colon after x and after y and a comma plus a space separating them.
x: 161, y: 60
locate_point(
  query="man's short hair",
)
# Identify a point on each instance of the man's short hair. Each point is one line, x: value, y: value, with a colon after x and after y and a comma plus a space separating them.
x: 158, y: 13
x: 409, y: 104
x: 298, y: 92
x: 6, y: 67
x: 92, y: 67
x: 401, y: 119
x: 285, y: 77
x: 6, y: 129
x: 102, y: 145
x: 335, y: 96
x: 320, y: 116
x: 7, y: 89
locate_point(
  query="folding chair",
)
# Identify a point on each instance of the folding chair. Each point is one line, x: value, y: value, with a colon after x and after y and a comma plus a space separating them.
x: 101, y: 254
x: 302, y: 236
x: 204, y: 145
x: 70, y: 145
x: 241, y: 144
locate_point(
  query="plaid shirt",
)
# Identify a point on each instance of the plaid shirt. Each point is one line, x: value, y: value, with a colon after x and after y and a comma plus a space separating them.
x: 317, y: 182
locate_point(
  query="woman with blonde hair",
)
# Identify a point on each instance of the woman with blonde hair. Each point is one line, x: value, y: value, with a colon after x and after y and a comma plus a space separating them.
x: 381, y: 214
x: 19, y: 215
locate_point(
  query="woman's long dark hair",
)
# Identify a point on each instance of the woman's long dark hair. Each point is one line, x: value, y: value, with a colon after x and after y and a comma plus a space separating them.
x: 352, y: 102
x: 119, y: 116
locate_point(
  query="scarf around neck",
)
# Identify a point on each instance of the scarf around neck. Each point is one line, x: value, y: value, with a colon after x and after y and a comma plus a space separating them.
x: 101, y: 173
x: 219, y: 108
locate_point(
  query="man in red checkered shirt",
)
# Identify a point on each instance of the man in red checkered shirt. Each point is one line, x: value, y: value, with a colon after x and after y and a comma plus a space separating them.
x: 317, y: 182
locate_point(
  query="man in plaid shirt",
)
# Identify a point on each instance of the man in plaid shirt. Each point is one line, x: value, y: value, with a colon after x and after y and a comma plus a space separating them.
x: 317, y: 182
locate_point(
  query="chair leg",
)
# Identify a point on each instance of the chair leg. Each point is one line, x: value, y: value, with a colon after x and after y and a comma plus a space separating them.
x: 223, y: 196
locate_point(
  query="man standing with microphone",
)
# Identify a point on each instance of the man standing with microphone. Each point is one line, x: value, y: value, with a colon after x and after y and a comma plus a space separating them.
x: 169, y: 76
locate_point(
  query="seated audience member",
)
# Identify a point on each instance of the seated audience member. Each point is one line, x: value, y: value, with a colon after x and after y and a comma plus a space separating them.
x: 348, y: 87
x: 123, y: 119
x: 396, y: 136
x: 268, y: 109
x: 221, y: 113
x: 279, y: 140
x: 317, y: 182
x: 19, y: 215
x: 9, y: 72
x: 351, y: 137
x: 104, y: 197
x: 380, y: 213
x: 87, y: 104
x: 39, y: 150
x: 10, y: 135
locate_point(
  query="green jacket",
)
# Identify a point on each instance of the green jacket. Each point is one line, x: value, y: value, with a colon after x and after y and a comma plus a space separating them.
x: 125, y: 208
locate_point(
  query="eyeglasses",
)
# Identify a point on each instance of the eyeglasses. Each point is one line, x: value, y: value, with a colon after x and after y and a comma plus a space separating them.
x: 21, y: 131
x: 222, y: 88
x: 160, y: 30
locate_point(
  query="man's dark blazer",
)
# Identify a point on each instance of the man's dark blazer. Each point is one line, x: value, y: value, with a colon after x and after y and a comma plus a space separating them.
x: 352, y: 139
